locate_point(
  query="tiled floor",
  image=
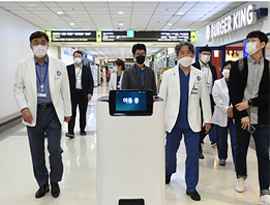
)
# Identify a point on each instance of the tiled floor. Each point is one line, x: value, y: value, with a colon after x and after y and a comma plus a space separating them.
x: 18, y: 186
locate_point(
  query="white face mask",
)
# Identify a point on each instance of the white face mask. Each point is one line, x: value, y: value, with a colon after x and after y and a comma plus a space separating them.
x: 40, y: 50
x: 251, y: 47
x: 77, y: 60
x: 115, y: 68
x: 185, y: 61
x: 205, y: 58
x: 226, y: 73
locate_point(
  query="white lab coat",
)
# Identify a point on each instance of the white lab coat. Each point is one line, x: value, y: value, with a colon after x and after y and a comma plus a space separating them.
x: 170, y: 92
x: 25, y: 87
x: 113, y: 81
x: 221, y: 98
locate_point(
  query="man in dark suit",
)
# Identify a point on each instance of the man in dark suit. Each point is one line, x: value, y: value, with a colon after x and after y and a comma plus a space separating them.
x: 249, y: 94
x: 205, y: 65
x: 139, y: 76
x: 81, y: 91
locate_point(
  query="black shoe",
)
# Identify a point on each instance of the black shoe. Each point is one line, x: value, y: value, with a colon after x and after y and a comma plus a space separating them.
x: 42, y: 191
x: 201, y: 156
x: 168, y: 178
x: 55, y: 189
x: 83, y: 133
x: 194, y: 195
x: 69, y: 135
x: 213, y: 143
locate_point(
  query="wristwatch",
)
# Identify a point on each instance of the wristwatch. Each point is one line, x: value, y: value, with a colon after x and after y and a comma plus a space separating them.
x: 250, y: 103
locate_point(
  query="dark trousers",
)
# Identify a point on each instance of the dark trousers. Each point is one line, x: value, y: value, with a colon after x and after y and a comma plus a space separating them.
x: 261, y: 138
x: 212, y: 132
x: 47, y: 122
x: 78, y: 99
x: 222, y: 140
x: 192, y: 161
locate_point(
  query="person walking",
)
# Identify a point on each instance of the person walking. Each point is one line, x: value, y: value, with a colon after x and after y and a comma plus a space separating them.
x: 42, y: 94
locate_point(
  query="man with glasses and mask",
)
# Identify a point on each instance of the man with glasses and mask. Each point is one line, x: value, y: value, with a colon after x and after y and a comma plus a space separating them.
x: 139, y: 76
x: 183, y: 88
x: 204, y: 64
x: 249, y: 94
x: 41, y: 91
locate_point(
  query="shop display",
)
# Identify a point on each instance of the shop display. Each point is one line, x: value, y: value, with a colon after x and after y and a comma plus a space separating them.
x: 94, y: 70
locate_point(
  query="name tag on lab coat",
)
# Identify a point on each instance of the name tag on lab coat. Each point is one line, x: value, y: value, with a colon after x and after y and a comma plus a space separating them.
x: 42, y: 95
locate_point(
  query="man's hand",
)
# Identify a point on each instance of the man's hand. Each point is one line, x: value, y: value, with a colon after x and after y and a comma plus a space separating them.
x: 67, y: 118
x: 230, y: 112
x: 207, y: 127
x: 89, y: 96
x: 242, y: 106
x: 27, y: 116
x: 245, y: 123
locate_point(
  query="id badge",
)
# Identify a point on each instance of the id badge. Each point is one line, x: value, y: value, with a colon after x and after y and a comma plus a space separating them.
x: 194, y: 91
x: 42, y: 95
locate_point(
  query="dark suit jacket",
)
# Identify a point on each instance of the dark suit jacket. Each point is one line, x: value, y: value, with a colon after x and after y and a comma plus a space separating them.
x: 237, y: 85
x: 214, y: 76
x: 130, y: 79
x: 212, y: 68
x: 87, y: 80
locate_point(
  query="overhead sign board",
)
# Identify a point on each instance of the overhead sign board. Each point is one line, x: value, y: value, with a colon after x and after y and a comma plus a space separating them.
x: 119, y: 36
x: 73, y: 36
x: 168, y: 36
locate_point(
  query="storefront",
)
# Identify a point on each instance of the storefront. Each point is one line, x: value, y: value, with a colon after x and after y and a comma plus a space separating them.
x: 226, y: 35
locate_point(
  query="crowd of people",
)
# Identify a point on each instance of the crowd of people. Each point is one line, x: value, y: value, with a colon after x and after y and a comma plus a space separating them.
x: 196, y: 104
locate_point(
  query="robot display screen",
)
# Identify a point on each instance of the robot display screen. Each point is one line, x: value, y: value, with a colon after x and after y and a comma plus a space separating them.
x: 130, y: 101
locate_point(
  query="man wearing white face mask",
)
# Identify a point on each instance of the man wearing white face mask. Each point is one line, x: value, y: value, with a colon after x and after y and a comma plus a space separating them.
x: 205, y: 65
x: 182, y: 88
x: 42, y: 94
x: 81, y: 90
x: 222, y: 116
x: 249, y: 93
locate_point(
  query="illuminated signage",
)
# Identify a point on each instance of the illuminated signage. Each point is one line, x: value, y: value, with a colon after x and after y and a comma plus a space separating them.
x: 99, y: 35
x: 239, y: 19
x: 130, y: 33
x: 73, y: 36
x: 174, y: 36
x: 123, y: 36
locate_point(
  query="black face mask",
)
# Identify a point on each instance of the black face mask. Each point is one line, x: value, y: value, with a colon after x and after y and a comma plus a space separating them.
x: 140, y: 59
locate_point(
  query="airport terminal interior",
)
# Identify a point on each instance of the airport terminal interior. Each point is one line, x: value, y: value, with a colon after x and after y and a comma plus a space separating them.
x: 105, y: 31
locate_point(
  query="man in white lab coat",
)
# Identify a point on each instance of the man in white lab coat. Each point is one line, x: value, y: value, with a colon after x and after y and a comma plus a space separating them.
x: 182, y: 88
x: 41, y: 90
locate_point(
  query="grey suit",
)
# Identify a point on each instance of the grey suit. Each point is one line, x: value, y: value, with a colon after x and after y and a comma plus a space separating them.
x: 130, y: 79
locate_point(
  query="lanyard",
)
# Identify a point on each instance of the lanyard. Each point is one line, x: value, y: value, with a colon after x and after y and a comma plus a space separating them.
x: 45, y: 76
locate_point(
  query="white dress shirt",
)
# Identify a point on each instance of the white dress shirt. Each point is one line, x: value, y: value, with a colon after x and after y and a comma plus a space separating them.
x: 78, y: 77
x: 208, y: 74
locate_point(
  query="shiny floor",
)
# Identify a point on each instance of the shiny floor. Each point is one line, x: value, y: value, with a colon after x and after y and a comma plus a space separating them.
x: 18, y: 186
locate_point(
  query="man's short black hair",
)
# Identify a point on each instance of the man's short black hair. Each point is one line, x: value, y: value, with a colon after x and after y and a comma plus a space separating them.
x: 78, y: 52
x: 227, y: 63
x: 38, y: 34
x: 258, y: 34
x: 205, y: 48
x: 138, y: 47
